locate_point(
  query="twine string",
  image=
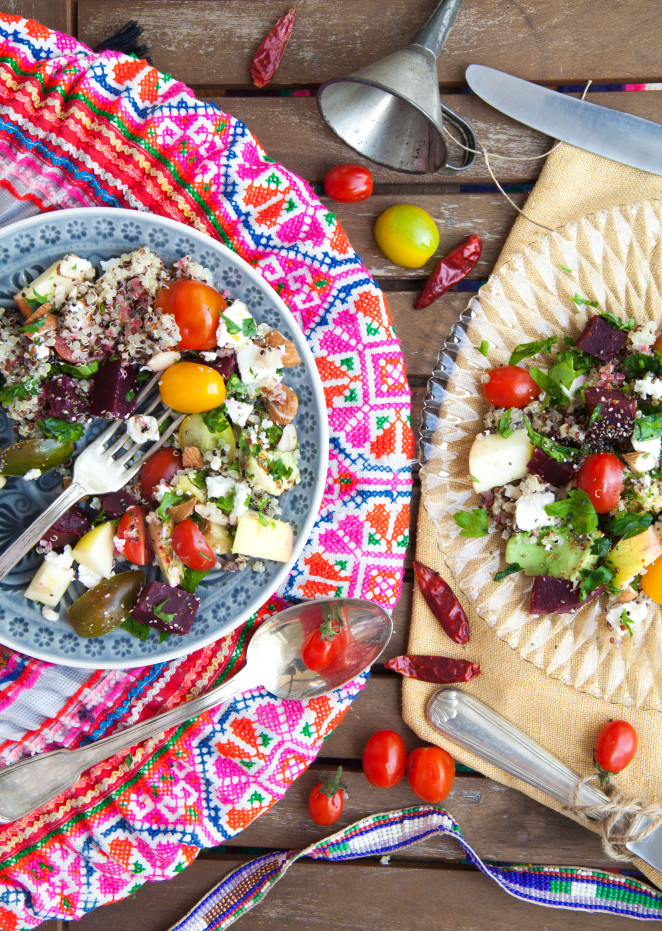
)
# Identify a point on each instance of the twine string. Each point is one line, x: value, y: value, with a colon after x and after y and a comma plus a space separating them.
x: 617, y: 816
x: 481, y: 150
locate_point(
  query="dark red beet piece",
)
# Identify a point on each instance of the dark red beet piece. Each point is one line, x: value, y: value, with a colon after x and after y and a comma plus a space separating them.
x: 67, y: 529
x: 557, y: 596
x: 616, y: 416
x: 226, y: 366
x: 158, y: 595
x: 113, y: 391
x: 64, y: 399
x: 549, y: 470
x: 117, y: 503
x: 601, y: 340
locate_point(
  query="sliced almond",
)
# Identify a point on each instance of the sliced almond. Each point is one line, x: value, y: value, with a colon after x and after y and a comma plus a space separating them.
x: 181, y: 511
x: 39, y: 313
x: 275, y: 340
x: 640, y: 462
x: 282, y: 409
x: 628, y: 595
x: 192, y: 458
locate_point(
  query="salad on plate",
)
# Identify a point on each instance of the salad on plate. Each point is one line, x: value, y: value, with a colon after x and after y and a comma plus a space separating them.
x: 569, y: 468
x: 78, y: 347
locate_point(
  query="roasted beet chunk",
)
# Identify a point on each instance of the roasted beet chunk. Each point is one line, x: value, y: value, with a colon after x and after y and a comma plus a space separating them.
x: 64, y: 399
x: 116, y: 503
x: 601, y: 340
x: 165, y: 608
x: 549, y: 470
x: 615, y: 419
x: 114, y: 389
x: 557, y: 596
x: 226, y: 366
x: 67, y: 529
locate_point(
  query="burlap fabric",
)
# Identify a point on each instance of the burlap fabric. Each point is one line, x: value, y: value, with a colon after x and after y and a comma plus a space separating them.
x: 573, y: 183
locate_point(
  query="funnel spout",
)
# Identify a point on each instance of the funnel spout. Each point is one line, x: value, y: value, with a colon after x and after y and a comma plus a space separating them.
x: 433, y: 33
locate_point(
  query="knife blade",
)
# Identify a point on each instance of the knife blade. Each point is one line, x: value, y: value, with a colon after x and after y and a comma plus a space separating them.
x: 621, y: 137
x: 473, y: 725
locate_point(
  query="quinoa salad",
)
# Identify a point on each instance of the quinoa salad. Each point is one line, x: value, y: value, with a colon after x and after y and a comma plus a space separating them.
x: 568, y: 466
x: 79, y: 345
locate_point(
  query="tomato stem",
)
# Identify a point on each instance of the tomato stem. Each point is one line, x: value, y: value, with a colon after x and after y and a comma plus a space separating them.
x: 330, y: 785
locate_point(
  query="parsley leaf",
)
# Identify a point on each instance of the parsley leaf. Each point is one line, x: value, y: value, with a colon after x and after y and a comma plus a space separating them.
x: 169, y: 500
x: 601, y: 546
x: 511, y: 568
x: 626, y: 622
x: 216, y: 421
x: 141, y: 631
x: 61, y: 429
x: 249, y: 328
x: 579, y: 301
x: 568, y: 271
x: 645, y: 428
x: 638, y: 364
x: 615, y: 321
x: 35, y: 326
x: 554, y: 450
x: 524, y: 350
x: 629, y: 525
x: 279, y: 470
x: 597, y: 410
x: 232, y: 327
x: 594, y: 578
x: 191, y: 578
x: 20, y: 391
x: 83, y: 371
x: 484, y: 348
x: 236, y: 386
x: 504, y: 427
x: 578, y: 511
x: 474, y: 523
x: 161, y: 614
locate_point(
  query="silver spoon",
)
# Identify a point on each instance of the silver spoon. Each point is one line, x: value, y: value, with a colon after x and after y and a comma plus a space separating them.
x: 273, y: 661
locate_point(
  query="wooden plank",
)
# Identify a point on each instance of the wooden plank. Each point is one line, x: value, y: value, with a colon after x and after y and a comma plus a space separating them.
x: 316, y: 896
x: 56, y: 14
x: 213, y: 41
x: 483, y: 809
x: 422, y: 332
x: 310, y: 148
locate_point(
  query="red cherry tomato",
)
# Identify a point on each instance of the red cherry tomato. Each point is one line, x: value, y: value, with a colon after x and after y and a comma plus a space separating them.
x: 384, y: 759
x: 189, y: 543
x: 196, y: 308
x: 510, y: 386
x: 159, y: 468
x: 322, y: 645
x: 430, y: 771
x: 601, y: 477
x: 614, y: 748
x: 326, y: 801
x: 348, y: 183
x: 133, y: 530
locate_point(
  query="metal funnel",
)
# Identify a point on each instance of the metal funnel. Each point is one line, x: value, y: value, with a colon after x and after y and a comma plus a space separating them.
x: 391, y: 111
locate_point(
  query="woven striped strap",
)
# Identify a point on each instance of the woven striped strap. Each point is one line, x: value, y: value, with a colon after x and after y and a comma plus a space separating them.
x: 555, y: 887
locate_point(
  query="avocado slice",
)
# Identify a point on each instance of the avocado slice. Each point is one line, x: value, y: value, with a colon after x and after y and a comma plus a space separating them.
x: 564, y: 560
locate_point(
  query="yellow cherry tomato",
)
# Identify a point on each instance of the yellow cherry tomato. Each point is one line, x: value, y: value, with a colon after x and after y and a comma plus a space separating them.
x: 651, y: 581
x: 407, y: 235
x: 190, y: 388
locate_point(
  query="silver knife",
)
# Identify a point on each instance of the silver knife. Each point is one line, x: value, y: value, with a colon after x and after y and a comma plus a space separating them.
x: 473, y: 725
x: 621, y: 137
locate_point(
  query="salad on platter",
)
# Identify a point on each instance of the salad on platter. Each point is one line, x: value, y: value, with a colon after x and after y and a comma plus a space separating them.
x: 569, y: 468
x: 78, y: 347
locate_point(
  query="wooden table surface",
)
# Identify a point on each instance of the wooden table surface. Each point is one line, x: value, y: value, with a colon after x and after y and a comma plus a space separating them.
x: 209, y: 44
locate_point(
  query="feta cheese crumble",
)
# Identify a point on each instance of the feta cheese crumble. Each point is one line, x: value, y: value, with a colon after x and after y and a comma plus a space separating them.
x: 530, y: 511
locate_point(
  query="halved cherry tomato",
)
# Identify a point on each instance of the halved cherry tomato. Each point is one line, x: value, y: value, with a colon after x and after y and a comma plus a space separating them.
x: 407, y: 235
x: 322, y: 645
x: 651, y: 581
x: 510, y: 386
x: 430, y: 771
x: 133, y: 530
x: 614, y: 748
x: 191, y: 388
x: 385, y: 759
x: 196, y: 308
x: 159, y: 468
x: 326, y: 800
x: 348, y: 183
x: 189, y: 543
x: 601, y: 477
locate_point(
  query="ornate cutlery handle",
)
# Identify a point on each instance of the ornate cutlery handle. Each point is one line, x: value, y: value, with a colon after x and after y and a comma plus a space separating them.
x: 473, y: 725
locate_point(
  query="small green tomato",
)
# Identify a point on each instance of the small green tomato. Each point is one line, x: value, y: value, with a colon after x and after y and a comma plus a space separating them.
x: 407, y: 235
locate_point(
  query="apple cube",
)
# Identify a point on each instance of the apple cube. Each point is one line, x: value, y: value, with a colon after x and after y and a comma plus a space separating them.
x: 263, y: 538
x: 496, y: 460
x: 49, y: 583
x: 629, y: 557
x: 95, y: 549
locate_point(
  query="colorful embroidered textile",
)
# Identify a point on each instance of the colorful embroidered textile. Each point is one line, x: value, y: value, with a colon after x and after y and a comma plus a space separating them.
x: 80, y: 129
x: 555, y: 887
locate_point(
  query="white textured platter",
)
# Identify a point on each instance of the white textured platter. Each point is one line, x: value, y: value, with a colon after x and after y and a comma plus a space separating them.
x: 616, y: 258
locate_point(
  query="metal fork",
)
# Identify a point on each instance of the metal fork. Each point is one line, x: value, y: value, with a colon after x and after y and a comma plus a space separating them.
x: 96, y: 472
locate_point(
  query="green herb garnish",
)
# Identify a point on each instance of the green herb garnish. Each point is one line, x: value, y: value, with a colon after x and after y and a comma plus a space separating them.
x: 626, y: 622
x: 594, y: 578
x: 232, y: 327
x: 474, y: 523
x: 216, y: 421
x: 61, y: 429
x: 648, y: 427
x: 616, y: 322
x: 191, y: 578
x: 87, y: 370
x: 629, y: 525
x: 578, y: 511
x: 484, y: 348
x: 249, y: 328
x: 579, y: 300
x: 525, y: 350
x: 510, y: 569
x: 161, y: 614
x: 135, y: 628
x: 600, y: 546
x: 554, y: 450
x: 169, y: 500
x: 236, y: 386
x: 19, y: 391
x: 596, y: 413
x: 504, y: 427
x: 568, y: 271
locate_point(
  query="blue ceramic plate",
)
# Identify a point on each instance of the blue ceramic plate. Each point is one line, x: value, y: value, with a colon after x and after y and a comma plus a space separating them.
x: 228, y: 599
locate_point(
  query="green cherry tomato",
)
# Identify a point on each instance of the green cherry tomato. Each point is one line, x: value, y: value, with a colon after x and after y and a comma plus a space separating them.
x: 103, y: 608
x: 407, y: 235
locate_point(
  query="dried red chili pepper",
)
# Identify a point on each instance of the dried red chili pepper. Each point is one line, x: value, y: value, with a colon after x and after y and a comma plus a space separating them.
x: 453, y: 268
x: 267, y: 58
x: 438, y: 669
x: 443, y: 603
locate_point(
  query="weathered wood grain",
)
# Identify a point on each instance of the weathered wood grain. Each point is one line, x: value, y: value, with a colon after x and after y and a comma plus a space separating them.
x: 482, y: 808
x: 351, y: 896
x: 56, y: 14
x: 422, y: 332
x: 213, y: 41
